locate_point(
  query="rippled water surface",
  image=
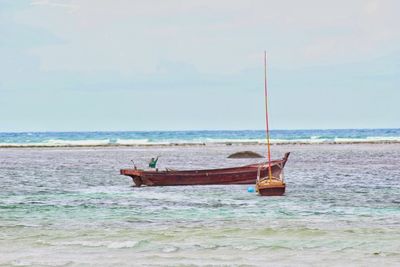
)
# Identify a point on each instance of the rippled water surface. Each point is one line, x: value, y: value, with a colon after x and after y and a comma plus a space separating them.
x: 70, y: 207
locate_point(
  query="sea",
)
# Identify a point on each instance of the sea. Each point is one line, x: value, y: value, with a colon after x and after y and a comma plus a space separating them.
x: 51, y: 139
x: 64, y: 203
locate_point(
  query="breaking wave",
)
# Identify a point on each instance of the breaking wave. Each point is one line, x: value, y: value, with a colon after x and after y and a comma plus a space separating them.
x: 59, y: 143
x: 170, y: 138
x: 147, y: 142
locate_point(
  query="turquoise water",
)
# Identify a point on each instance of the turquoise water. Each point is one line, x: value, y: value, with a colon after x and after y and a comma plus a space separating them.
x: 70, y: 207
x: 173, y: 137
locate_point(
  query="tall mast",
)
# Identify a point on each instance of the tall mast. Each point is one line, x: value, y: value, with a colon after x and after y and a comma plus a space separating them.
x: 266, y: 115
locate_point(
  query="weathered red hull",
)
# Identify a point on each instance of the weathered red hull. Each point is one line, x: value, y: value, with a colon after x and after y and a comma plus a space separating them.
x: 272, y: 191
x: 237, y: 175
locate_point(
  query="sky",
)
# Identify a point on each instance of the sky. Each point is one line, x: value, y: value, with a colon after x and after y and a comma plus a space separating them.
x: 198, y: 65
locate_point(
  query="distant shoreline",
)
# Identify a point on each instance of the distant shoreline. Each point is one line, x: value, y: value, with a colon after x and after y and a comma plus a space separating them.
x: 183, y: 144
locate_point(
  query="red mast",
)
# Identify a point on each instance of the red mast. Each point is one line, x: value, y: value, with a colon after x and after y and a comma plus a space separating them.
x: 266, y: 115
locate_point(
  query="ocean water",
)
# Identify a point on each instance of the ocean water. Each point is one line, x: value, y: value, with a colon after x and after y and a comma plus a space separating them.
x: 63, y: 206
x: 195, y: 137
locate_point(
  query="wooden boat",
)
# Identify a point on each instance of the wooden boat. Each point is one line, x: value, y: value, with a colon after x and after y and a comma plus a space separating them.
x: 273, y: 183
x: 274, y: 186
x: 237, y: 175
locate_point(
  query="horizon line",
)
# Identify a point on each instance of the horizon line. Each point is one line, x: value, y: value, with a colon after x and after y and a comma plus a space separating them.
x: 197, y: 130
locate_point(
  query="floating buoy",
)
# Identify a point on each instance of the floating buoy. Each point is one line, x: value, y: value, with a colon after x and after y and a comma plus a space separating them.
x: 250, y: 189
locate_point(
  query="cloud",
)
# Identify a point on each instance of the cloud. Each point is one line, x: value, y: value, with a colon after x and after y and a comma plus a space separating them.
x: 136, y: 40
x: 196, y: 55
x: 134, y: 36
x: 50, y: 3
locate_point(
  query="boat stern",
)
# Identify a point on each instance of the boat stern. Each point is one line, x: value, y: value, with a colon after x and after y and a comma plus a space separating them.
x: 273, y: 187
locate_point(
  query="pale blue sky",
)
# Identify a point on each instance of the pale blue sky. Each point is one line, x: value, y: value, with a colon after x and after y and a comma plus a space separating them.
x: 177, y: 65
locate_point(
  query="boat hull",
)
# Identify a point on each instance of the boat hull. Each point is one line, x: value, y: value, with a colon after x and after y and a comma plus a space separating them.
x: 272, y: 191
x: 237, y: 175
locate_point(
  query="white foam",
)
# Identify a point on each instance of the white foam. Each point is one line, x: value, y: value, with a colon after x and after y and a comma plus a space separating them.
x: 372, y: 139
x: 298, y: 141
x: 56, y: 142
x: 89, y: 243
x: 132, y: 141
x: 169, y: 249
x: 138, y: 142
x: 83, y: 243
x: 227, y: 140
x: 384, y: 138
x: 123, y: 244
x: 59, y: 143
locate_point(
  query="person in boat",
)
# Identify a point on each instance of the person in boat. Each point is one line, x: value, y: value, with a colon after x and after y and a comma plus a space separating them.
x: 153, y: 162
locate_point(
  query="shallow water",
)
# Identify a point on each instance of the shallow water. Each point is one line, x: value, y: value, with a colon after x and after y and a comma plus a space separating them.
x: 70, y: 207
